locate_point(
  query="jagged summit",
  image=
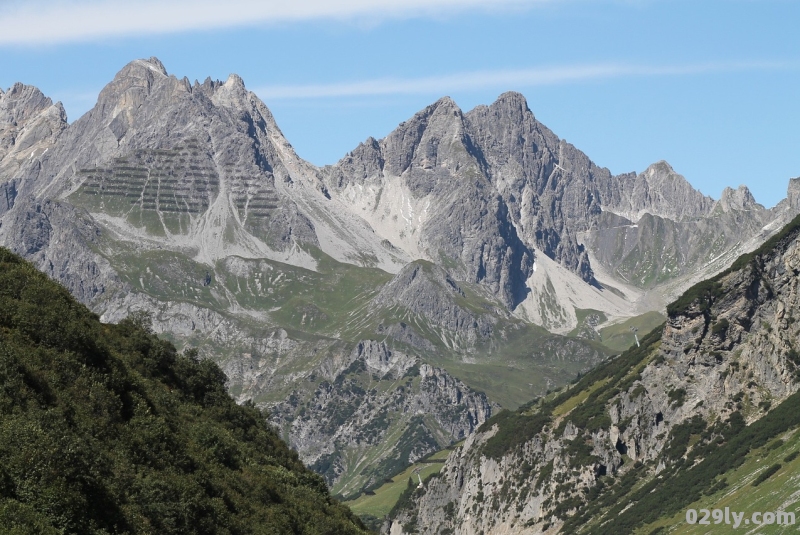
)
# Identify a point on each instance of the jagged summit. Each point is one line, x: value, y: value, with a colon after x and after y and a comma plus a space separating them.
x: 153, y: 63
x: 512, y: 104
x: 737, y: 199
x: 478, y: 191
x: 660, y: 191
x: 29, y: 125
x: 21, y: 102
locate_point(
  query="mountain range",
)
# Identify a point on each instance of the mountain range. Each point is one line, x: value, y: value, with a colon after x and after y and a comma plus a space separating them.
x: 383, y: 307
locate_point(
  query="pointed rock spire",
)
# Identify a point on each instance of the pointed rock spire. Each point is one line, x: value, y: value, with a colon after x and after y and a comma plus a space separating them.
x: 737, y: 199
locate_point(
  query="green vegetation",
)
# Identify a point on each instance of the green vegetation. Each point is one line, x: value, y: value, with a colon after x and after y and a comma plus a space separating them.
x: 514, y: 429
x: 703, y: 293
x: 587, y: 322
x: 619, y: 337
x: 567, y: 406
x: 677, y: 396
x: 766, y: 474
x: 734, y: 489
x: 720, y: 327
x: 682, y: 435
x: 108, y: 429
x: 588, y: 411
x: 684, y: 483
x: 379, y: 502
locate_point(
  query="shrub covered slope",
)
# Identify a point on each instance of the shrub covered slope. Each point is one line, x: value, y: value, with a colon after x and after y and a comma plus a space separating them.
x: 107, y: 429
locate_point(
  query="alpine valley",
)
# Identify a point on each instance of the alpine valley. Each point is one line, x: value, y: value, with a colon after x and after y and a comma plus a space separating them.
x: 388, y: 306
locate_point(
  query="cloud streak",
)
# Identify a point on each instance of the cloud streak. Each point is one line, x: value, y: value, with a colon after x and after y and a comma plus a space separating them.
x: 517, y: 78
x: 58, y: 21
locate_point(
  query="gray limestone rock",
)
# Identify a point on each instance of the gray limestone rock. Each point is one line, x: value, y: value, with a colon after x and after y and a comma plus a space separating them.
x: 30, y: 124
x: 426, y: 290
x: 738, y: 199
x: 62, y: 242
x: 502, y: 183
x: 334, y: 423
x: 658, y: 191
x: 200, y: 177
x: 8, y: 194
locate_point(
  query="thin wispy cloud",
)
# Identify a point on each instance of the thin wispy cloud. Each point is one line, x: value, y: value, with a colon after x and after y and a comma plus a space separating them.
x: 59, y: 21
x: 504, y: 79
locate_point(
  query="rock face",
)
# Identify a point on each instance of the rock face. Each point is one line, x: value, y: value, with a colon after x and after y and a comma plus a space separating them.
x: 348, y: 417
x: 183, y: 161
x: 426, y: 191
x: 737, y: 199
x: 658, y: 191
x: 727, y: 351
x: 61, y: 240
x: 422, y: 289
x: 29, y: 125
x: 8, y: 194
x: 204, y: 167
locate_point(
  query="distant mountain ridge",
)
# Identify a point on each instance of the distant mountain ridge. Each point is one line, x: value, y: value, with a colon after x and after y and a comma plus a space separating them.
x: 456, y: 242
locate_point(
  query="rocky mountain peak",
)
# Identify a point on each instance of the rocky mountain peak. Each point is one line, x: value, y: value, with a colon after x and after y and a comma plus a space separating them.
x: 29, y: 125
x: 232, y: 93
x: 427, y: 140
x: 660, y: 191
x: 423, y: 280
x: 22, y: 102
x: 447, y: 103
x: 444, y: 115
x: 512, y: 105
x: 153, y: 63
x: 427, y: 291
x: 737, y: 199
x: 142, y: 69
x: 133, y: 84
x: 507, y: 120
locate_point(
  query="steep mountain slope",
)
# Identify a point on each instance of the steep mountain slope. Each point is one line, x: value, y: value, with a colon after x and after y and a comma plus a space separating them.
x: 108, y: 429
x: 646, y: 434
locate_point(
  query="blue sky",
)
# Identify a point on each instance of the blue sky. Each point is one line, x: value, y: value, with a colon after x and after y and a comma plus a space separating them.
x: 710, y: 86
